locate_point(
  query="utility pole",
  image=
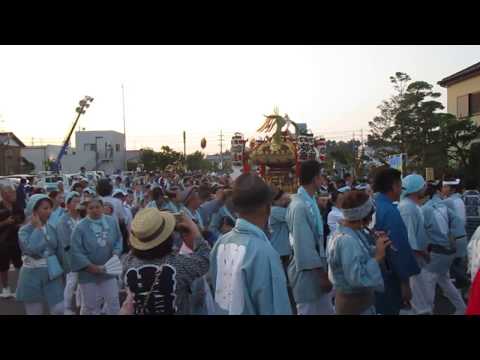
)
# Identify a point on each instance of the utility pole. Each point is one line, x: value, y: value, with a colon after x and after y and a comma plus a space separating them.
x: 354, y: 157
x: 184, y: 150
x: 221, y: 149
x: 124, y: 129
x: 362, y: 149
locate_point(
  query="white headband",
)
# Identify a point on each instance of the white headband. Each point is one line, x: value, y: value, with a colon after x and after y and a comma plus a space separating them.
x: 359, y: 212
x: 452, y: 182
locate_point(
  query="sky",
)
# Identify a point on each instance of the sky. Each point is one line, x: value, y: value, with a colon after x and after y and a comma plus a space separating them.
x: 207, y: 89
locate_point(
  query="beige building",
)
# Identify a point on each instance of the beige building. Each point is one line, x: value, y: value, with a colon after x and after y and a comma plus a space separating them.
x: 463, y: 93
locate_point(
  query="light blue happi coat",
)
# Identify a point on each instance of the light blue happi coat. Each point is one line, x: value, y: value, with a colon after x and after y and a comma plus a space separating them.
x: 216, y: 220
x: 306, y: 237
x: 94, y: 242
x: 454, y: 202
x: 55, y: 216
x: 152, y: 204
x: 440, y: 227
x: 34, y: 284
x: 352, y: 266
x: 207, y: 209
x: 412, y: 217
x: 65, y: 227
x: 279, y: 231
x: 195, y: 216
x: 171, y: 206
x: 247, y: 275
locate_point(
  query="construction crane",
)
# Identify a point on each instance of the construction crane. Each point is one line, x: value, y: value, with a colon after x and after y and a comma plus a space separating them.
x: 81, y: 109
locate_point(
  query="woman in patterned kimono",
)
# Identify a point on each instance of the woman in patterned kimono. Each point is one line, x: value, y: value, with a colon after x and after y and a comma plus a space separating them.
x: 354, y: 263
x: 159, y: 279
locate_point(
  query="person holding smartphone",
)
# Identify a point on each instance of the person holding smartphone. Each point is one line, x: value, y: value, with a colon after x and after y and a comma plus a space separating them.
x: 38, y: 240
x: 354, y: 263
x: 159, y: 279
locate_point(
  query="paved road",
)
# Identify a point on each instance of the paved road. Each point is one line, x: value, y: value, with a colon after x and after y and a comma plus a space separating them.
x: 13, y: 307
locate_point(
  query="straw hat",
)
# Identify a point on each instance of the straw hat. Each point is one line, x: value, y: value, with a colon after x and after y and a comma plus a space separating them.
x: 150, y: 228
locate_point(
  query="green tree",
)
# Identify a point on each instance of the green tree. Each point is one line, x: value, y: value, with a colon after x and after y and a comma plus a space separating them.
x: 456, y: 137
x: 344, y: 154
x: 167, y: 156
x: 148, y: 158
x: 387, y: 133
x: 153, y: 160
x: 197, y: 161
x: 408, y: 123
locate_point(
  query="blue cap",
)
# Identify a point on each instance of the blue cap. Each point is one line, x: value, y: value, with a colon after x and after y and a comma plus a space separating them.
x: 412, y: 184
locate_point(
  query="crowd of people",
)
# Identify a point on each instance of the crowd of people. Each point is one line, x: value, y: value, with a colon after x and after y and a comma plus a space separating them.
x: 204, y: 244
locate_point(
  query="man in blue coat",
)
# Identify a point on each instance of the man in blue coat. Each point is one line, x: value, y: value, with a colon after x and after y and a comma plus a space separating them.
x: 246, y: 271
x: 400, y: 263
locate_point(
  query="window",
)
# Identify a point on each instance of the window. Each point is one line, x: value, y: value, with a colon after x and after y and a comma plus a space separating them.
x: 89, y: 147
x: 117, y: 147
x: 462, y: 106
x: 474, y: 104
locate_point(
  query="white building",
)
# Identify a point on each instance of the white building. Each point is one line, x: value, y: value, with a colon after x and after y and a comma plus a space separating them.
x: 40, y: 155
x: 94, y: 150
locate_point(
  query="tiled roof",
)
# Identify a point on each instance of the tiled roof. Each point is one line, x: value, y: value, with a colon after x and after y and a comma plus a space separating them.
x: 461, y: 75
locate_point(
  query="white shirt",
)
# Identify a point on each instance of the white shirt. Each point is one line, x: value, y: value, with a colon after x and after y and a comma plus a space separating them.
x: 129, y: 217
x: 333, y: 219
x: 118, y: 209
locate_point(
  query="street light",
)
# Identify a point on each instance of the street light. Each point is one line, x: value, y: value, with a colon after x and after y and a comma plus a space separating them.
x: 84, y: 103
